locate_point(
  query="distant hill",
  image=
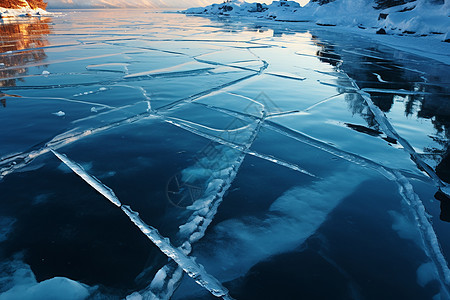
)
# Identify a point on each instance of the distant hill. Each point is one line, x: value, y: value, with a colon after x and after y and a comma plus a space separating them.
x: 23, y: 4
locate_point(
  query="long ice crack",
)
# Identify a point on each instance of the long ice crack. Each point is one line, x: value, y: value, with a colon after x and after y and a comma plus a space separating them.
x: 188, y: 264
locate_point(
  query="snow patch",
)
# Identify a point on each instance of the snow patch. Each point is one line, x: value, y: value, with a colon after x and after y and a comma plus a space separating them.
x: 19, y: 283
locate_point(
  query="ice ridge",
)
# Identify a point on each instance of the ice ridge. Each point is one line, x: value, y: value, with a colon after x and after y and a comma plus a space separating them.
x: 188, y: 264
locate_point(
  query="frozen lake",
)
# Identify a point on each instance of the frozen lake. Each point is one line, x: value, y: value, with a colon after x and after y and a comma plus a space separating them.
x: 291, y: 161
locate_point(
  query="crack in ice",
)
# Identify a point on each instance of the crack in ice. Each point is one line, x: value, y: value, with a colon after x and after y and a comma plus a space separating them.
x: 188, y: 264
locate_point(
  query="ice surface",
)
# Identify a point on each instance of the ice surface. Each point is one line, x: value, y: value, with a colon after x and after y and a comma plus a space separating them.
x: 405, y: 228
x: 241, y: 140
x: 216, y: 170
x: 188, y: 264
x: 92, y: 181
x: 289, y: 221
x: 389, y: 130
x: 429, y: 237
x: 194, y: 270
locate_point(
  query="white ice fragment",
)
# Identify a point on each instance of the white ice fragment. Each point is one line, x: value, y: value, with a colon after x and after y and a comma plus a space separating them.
x: 60, y: 113
x: 102, y: 89
x: 379, y: 78
x: 191, y: 226
x: 158, y: 280
x: 45, y: 72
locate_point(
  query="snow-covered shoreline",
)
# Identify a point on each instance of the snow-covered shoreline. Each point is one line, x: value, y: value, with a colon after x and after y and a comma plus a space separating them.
x: 11, y: 13
x: 418, y: 18
x: 430, y: 45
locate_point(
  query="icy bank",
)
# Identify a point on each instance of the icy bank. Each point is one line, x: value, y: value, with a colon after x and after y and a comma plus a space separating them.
x: 414, y: 18
x: 23, y: 12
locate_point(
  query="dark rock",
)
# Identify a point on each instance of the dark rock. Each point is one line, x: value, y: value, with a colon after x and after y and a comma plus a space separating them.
x: 363, y: 129
x: 408, y: 32
x: 407, y: 8
x: 390, y: 140
x: 443, y: 168
x: 382, y: 16
x: 445, y: 205
x: 322, y: 2
x: 381, y: 31
x: 324, y: 24
x: 226, y: 8
x: 382, y: 4
x: 259, y: 7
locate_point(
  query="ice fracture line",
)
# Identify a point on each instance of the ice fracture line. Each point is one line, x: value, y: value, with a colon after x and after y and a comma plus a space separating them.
x: 188, y: 264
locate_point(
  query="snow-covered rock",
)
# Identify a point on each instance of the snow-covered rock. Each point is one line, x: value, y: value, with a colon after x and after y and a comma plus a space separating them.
x: 22, y: 8
x: 280, y: 10
x: 229, y: 8
x: 22, y: 12
x: 418, y: 17
x: 421, y: 17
